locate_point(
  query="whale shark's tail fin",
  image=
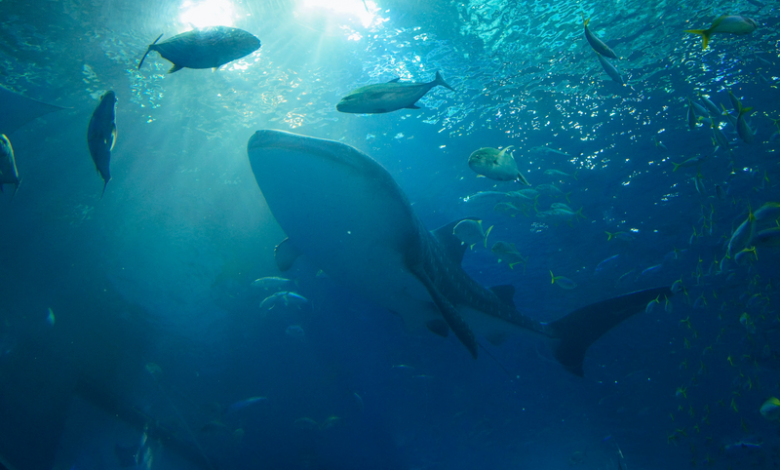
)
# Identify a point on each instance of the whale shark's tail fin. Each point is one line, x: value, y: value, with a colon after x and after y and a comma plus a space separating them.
x: 581, y: 328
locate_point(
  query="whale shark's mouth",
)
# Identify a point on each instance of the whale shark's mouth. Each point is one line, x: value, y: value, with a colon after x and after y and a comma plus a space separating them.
x: 282, y: 140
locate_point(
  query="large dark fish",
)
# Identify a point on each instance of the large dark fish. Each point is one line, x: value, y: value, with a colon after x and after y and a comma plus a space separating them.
x: 347, y: 215
x: 8, y: 172
x: 205, y: 48
x: 101, y: 135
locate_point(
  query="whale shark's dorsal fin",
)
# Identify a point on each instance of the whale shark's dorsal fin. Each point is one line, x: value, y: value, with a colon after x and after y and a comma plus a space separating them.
x: 505, y: 294
x: 395, y: 80
x: 452, y: 245
x: 285, y: 254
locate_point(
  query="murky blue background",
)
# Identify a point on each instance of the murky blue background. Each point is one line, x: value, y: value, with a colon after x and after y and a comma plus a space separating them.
x: 158, y: 271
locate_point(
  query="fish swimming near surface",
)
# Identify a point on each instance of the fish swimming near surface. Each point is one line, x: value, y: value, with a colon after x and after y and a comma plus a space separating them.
x: 101, y: 135
x: 597, y: 44
x: 610, y: 69
x: 346, y: 214
x: 204, y: 48
x: 8, y: 172
x: 496, y: 165
x: 18, y: 110
x: 726, y: 24
x: 387, y: 97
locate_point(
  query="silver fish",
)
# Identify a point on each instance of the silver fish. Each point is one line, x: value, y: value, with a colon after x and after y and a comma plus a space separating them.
x: 496, y: 165
x: 597, y: 44
x: 611, y: 70
x: 204, y: 48
x: 387, y: 97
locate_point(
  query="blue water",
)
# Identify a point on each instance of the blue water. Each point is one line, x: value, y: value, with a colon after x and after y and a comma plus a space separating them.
x: 157, y: 330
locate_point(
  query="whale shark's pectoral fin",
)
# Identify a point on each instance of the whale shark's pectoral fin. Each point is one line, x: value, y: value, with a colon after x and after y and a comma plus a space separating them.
x: 579, y: 329
x: 413, y: 106
x: 456, y: 323
x: 285, y: 254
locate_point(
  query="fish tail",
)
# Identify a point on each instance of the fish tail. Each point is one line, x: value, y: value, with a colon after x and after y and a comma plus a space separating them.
x: 552, y: 276
x: 104, y: 188
x: 609, y: 236
x: 581, y: 328
x: 574, y: 175
x: 487, y: 234
x: 148, y: 49
x: 704, y: 33
x: 584, y: 21
x: 440, y: 81
x: 676, y: 166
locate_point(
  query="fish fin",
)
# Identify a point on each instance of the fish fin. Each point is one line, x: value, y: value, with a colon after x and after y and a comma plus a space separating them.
x: 584, y: 21
x: 414, y: 106
x: 451, y: 316
x: 522, y: 179
x: 581, y: 328
x: 452, y: 245
x: 395, y: 80
x: 113, y: 136
x: 148, y: 49
x: 105, y: 183
x: 487, y: 234
x: 438, y: 327
x: 704, y: 33
x: 175, y: 68
x: 285, y: 255
x: 440, y: 81
x: 505, y: 293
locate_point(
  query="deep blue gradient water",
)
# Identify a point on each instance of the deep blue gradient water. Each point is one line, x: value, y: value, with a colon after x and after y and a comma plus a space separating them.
x: 157, y: 329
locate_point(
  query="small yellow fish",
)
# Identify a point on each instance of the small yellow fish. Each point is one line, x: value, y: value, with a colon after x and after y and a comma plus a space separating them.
x: 726, y: 24
x: 562, y: 281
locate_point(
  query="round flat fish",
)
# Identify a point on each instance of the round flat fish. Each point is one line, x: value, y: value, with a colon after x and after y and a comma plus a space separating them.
x: 496, y: 165
x: 205, y: 48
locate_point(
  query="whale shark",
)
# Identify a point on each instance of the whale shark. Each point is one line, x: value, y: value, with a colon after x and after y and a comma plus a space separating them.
x: 345, y: 213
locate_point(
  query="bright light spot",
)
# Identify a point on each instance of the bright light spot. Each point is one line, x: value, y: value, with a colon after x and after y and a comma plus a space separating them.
x: 207, y: 13
x: 364, y: 10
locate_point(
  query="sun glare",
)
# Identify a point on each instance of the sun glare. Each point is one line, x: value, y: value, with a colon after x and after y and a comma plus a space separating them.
x: 364, y: 10
x: 207, y: 13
